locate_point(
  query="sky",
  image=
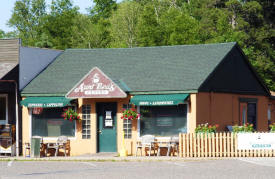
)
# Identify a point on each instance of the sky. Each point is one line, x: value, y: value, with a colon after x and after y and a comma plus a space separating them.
x: 6, y: 7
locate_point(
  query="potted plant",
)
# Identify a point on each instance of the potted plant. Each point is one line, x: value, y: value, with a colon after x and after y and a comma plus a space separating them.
x: 244, y: 128
x: 70, y: 115
x: 130, y: 114
x: 272, y: 127
x: 206, y: 128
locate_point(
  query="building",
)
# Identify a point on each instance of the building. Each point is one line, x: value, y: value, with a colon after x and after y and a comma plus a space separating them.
x: 18, y: 66
x: 174, y: 88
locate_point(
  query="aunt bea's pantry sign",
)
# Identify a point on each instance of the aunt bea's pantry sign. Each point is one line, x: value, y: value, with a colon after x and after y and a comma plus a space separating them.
x: 96, y: 84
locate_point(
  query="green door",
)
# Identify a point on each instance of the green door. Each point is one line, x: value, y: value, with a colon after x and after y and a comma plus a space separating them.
x: 106, y: 125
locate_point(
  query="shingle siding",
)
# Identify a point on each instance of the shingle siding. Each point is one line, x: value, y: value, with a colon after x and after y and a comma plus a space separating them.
x: 9, y: 55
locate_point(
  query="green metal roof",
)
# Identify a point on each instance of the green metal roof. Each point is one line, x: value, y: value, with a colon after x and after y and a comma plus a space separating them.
x: 158, y: 100
x: 143, y: 69
x: 45, y: 102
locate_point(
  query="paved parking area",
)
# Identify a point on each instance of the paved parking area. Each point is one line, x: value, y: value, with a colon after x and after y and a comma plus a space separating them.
x: 224, y: 168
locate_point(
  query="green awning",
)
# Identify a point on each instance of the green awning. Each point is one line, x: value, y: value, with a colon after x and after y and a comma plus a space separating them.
x: 159, y: 100
x: 45, y: 102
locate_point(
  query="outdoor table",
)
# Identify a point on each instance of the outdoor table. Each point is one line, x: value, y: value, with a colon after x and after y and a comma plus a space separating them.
x: 172, y: 143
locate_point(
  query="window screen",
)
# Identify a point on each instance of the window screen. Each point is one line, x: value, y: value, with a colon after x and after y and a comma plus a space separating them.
x: 50, y: 124
x: 163, y: 120
x: 86, y: 121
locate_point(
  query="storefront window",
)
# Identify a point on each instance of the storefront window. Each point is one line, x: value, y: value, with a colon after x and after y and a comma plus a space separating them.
x: 50, y: 124
x: 163, y: 120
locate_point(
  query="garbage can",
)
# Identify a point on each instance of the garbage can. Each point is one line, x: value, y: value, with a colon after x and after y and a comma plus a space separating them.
x: 35, y: 147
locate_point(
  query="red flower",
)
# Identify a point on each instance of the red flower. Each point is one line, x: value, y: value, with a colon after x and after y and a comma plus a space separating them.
x: 217, y: 125
x: 78, y: 117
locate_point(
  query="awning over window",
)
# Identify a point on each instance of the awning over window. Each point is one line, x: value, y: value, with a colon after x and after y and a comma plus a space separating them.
x: 159, y: 100
x: 45, y: 102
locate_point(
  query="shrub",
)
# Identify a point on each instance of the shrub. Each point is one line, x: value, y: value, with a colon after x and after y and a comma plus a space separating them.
x: 272, y: 127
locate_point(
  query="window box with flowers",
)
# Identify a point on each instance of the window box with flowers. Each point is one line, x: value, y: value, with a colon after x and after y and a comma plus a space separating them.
x: 244, y: 128
x: 206, y: 129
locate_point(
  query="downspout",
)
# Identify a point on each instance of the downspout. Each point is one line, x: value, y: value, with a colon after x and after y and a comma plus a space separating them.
x: 16, y: 115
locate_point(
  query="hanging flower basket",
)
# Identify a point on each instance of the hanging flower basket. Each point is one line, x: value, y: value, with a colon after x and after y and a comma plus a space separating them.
x: 70, y: 115
x: 37, y: 110
x: 130, y: 114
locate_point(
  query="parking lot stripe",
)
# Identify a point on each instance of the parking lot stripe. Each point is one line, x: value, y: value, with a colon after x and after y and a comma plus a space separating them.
x: 9, y: 164
x: 88, y: 163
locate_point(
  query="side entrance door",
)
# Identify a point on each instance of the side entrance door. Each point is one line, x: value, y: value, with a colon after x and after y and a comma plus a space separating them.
x: 106, y: 127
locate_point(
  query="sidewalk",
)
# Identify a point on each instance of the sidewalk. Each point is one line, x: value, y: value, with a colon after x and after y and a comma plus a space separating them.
x: 101, y: 157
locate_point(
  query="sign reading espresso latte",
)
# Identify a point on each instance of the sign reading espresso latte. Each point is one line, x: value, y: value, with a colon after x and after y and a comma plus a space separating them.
x: 96, y: 85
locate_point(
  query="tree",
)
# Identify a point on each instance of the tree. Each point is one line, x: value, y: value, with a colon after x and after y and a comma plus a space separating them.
x: 124, y: 25
x: 103, y: 8
x: 28, y: 18
x: 59, y: 23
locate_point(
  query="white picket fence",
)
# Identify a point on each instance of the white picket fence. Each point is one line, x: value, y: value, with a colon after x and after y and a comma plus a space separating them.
x: 216, y: 145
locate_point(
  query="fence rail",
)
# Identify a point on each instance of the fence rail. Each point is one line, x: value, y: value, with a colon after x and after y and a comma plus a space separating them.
x: 216, y: 145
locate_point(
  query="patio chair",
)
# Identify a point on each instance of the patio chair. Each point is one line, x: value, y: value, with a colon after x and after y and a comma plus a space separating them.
x: 148, y: 142
x: 61, y: 143
x: 165, y: 145
x: 174, y: 144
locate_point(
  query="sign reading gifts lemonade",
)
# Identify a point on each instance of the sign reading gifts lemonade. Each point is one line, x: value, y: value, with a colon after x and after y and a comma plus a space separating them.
x: 256, y: 141
x: 96, y: 84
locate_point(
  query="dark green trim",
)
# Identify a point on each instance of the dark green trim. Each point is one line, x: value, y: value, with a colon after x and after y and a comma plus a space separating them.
x: 159, y: 100
x: 248, y: 100
x: 45, y: 102
x: 29, y: 95
x: 162, y: 92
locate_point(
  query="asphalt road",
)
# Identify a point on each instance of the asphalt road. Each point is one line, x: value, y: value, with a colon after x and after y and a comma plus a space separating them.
x: 235, y: 168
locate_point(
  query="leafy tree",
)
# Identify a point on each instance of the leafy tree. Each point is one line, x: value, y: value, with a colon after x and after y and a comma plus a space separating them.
x: 28, y: 18
x: 103, y: 8
x: 88, y: 34
x: 124, y: 25
x: 59, y: 23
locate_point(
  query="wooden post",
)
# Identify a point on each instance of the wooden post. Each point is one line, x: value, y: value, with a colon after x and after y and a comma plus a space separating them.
x: 195, y: 144
x: 202, y: 147
x: 231, y: 144
x: 180, y: 144
x: 191, y: 144
x: 183, y: 145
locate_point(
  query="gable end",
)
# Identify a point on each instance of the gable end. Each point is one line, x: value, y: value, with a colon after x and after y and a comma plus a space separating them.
x: 234, y: 75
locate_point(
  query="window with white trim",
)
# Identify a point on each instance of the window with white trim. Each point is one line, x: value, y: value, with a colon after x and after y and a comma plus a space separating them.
x: 3, y: 109
x: 86, y: 121
x: 127, y: 125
